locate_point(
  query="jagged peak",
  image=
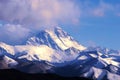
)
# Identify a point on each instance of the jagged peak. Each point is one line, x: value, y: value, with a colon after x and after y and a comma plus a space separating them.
x: 57, y: 38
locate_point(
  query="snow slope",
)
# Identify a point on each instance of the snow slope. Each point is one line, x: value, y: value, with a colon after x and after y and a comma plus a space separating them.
x: 56, y: 37
x: 62, y: 54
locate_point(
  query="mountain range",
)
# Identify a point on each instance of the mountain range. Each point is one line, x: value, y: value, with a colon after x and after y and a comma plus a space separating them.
x: 55, y: 51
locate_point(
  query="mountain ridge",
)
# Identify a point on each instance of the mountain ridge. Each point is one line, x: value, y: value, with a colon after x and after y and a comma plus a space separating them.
x: 55, y: 51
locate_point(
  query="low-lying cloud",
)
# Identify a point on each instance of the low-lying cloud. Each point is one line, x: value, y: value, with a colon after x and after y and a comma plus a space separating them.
x: 13, y: 34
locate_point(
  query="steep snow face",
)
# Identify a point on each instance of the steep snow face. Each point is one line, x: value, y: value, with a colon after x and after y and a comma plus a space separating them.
x: 8, y: 48
x: 35, y: 53
x: 83, y: 57
x: 110, y: 61
x: 63, y: 40
x: 38, y: 53
x: 42, y: 52
x: 43, y: 38
x: 57, y: 39
x: 101, y: 74
x: 11, y: 62
x: 98, y: 73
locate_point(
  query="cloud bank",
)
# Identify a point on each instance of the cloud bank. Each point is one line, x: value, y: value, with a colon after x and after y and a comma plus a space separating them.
x: 39, y: 12
x: 29, y: 16
x: 32, y: 15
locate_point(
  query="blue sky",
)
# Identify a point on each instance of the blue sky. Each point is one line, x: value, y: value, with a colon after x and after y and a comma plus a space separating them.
x: 100, y: 29
x: 91, y: 22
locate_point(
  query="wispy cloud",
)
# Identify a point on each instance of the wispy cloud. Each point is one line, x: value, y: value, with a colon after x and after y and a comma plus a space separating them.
x: 118, y: 14
x: 98, y: 12
x: 100, y: 9
x: 117, y: 9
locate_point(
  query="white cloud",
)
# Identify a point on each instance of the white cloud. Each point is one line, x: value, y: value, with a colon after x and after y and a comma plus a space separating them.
x: 39, y: 12
x: 13, y: 34
x: 34, y: 15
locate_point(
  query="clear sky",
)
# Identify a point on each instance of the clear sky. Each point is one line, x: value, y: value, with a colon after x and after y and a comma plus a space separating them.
x: 91, y: 22
x: 99, y: 23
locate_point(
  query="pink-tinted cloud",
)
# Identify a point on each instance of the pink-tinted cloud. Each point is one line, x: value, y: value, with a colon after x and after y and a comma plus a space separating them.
x: 39, y: 12
x: 33, y: 15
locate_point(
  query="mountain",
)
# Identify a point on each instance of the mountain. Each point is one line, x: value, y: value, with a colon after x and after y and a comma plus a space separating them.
x: 47, y: 45
x: 56, y: 39
x: 55, y: 51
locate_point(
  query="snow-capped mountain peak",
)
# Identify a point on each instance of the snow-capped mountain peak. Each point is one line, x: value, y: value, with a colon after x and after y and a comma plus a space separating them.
x: 56, y: 50
x: 57, y: 39
x: 49, y: 45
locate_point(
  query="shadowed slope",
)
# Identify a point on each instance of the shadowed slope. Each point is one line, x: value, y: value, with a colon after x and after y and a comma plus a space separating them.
x: 11, y: 74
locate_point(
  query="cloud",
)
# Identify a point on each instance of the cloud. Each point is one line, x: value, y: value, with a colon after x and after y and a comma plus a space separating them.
x: 13, y: 34
x: 33, y: 15
x: 100, y: 8
x: 39, y: 12
x: 117, y: 9
x: 98, y: 12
